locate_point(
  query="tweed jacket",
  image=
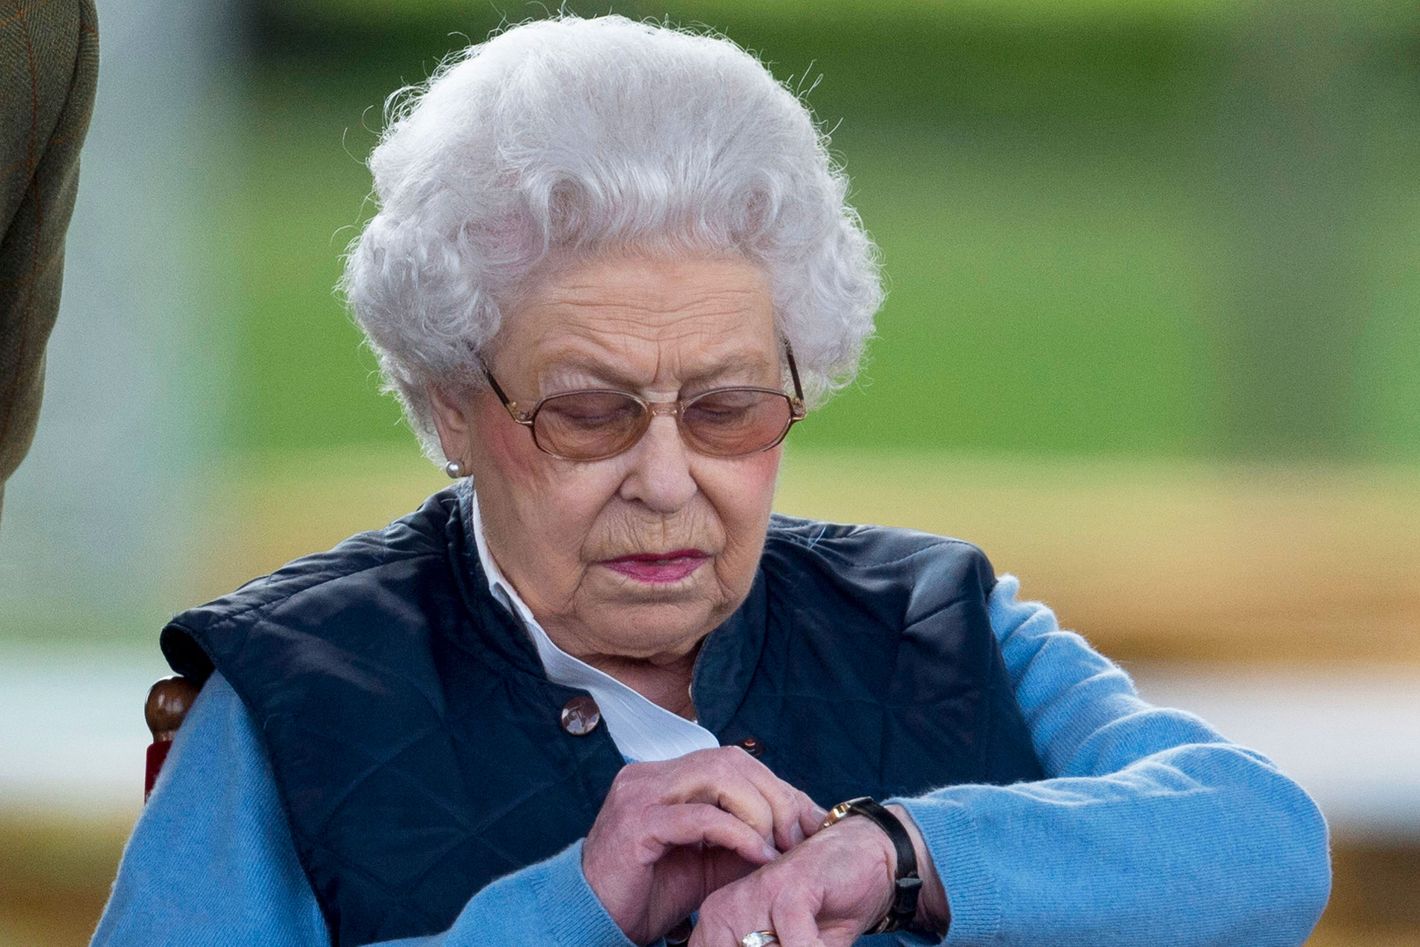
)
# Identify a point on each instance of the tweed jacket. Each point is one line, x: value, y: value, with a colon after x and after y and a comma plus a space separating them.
x: 49, y: 56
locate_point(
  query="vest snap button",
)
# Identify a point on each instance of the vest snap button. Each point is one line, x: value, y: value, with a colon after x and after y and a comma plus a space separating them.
x: 752, y: 746
x: 580, y: 715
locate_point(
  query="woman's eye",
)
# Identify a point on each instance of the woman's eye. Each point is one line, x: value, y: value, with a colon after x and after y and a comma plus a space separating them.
x: 718, y: 411
x: 586, y: 418
x: 598, y: 412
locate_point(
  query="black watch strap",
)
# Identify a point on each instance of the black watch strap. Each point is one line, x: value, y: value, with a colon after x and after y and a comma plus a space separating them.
x: 906, y: 883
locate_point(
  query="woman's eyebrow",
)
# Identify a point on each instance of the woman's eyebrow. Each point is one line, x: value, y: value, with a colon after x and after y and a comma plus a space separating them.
x: 745, y: 362
x: 580, y: 363
x: 733, y: 362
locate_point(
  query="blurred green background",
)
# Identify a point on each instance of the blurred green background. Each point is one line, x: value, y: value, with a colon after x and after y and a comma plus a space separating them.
x: 1152, y: 339
x: 1150, y: 228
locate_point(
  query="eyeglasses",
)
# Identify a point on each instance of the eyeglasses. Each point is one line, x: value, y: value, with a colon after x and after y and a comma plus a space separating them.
x: 597, y: 423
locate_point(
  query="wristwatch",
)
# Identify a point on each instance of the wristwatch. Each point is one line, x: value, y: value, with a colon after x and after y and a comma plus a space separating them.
x: 906, y: 884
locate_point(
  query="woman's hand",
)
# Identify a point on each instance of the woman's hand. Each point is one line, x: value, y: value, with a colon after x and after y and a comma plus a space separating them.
x: 825, y: 893
x: 670, y: 833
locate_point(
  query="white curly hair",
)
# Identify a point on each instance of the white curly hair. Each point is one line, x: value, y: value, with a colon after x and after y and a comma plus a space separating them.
x: 566, y: 138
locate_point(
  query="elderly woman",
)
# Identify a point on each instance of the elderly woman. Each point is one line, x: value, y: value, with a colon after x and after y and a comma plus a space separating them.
x: 596, y: 691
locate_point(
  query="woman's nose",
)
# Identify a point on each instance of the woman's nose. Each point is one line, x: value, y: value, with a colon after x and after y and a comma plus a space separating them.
x: 659, y: 475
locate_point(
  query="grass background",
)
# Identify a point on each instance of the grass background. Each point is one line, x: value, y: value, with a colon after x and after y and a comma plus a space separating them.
x: 1095, y: 245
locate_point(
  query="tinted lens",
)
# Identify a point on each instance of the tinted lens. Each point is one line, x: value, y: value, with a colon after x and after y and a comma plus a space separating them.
x: 587, y: 425
x: 732, y: 421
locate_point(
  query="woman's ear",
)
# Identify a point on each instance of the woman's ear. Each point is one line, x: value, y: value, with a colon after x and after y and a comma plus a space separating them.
x: 453, y: 417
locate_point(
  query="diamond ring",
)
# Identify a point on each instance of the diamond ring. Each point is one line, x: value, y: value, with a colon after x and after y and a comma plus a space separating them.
x: 759, y: 939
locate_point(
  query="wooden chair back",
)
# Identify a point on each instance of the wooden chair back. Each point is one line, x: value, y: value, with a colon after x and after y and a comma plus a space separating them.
x: 168, y: 703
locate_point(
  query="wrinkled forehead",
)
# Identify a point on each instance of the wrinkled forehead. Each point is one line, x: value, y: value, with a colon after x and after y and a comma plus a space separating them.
x: 641, y: 322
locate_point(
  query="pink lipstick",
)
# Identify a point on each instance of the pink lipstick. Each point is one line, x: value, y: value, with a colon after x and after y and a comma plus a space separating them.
x: 658, y: 568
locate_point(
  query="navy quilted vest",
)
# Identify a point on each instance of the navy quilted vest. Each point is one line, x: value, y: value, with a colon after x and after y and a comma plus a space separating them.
x: 417, y: 746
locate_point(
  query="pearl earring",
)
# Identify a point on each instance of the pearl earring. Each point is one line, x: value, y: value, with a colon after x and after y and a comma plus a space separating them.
x: 454, y: 469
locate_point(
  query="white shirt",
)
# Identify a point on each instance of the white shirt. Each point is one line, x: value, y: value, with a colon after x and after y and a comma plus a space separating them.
x: 643, y: 731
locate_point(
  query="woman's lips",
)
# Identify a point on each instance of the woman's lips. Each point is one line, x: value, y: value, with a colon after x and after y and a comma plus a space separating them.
x: 658, y: 568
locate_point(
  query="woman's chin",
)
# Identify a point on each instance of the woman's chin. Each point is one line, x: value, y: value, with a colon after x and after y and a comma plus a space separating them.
x: 644, y: 620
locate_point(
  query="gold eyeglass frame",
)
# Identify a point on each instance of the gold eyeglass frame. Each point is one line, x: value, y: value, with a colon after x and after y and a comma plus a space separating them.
x: 527, y: 418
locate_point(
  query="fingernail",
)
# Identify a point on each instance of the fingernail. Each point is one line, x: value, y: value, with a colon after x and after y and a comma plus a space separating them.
x: 770, y: 852
x: 796, y: 832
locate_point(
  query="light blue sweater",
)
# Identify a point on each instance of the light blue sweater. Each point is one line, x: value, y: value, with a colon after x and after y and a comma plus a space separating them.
x: 1152, y: 830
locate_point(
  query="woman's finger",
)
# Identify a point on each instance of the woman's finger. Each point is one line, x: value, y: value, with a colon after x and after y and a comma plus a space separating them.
x: 704, y: 824
x: 715, y: 931
x: 707, y: 776
x: 795, y: 815
x: 731, y: 792
x: 811, y: 818
x: 743, y: 800
x: 792, y: 918
x: 740, y: 784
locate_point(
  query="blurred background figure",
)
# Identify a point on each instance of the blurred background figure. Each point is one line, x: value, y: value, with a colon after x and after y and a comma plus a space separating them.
x: 49, y: 58
x: 1171, y: 250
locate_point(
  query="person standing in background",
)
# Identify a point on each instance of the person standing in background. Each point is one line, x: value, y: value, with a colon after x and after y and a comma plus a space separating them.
x: 49, y: 57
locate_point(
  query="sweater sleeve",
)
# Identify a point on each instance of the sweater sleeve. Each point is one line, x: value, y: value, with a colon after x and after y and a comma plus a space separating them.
x: 211, y: 861
x: 1151, y: 828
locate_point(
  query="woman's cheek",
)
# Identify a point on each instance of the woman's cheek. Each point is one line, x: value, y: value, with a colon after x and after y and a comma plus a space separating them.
x: 748, y: 498
x: 757, y: 482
